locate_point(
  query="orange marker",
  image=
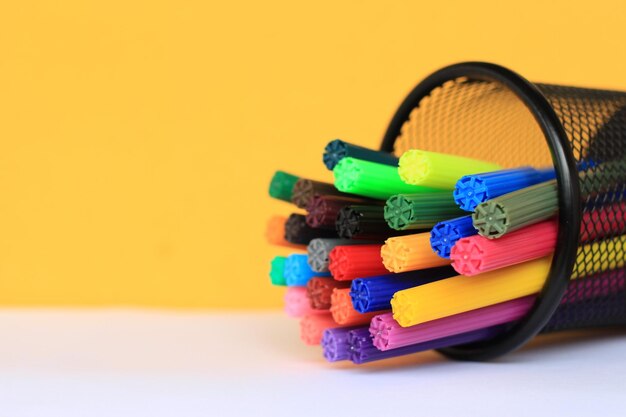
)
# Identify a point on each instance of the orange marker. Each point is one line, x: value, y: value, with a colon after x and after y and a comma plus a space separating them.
x: 312, y: 327
x: 410, y: 253
x: 275, y: 233
x: 344, y: 313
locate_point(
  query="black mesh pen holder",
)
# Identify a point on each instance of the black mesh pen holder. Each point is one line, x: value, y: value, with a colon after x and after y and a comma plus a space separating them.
x: 488, y: 112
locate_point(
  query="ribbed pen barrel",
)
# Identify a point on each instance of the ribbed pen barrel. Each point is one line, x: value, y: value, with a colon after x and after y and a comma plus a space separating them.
x: 337, y: 149
x: 604, y: 310
x: 410, y: 253
x: 604, y: 288
x: 420, y: 211
x: 297, y: 271
x: 304, y: 190
x: 312, y: 327
x: 364, y: 222
x: 604, y: 221
x: 445, y: 234
x: 388, y: 334
x: 371, y: 179
x: 342, y: 310
x: 598, y: 285
x: 475, y: 254
x: 298, y: 232
x: 600, y: 256
x: 319, y: 291
x: 297, y: 303
x: 281, y: 185
x: 461, y: 293
x: 319, y: 249
x: 275, y: 233
x: 512, y: 211
x: 471, y: 190
x: 374, y: 293
x: 607, y: 178
x: 277, y: 271
x: 323, y: 209
x: 350, y: 262
x: 438, y: 170
x: 362, y: 349
x: 335, y: 346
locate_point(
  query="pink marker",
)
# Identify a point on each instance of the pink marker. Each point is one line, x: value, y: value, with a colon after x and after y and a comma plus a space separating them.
x: 388, y: 334
x: 297, y: 303
x: 476, y: 254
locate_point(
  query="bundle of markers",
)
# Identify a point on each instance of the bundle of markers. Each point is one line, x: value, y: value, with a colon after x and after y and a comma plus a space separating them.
x: 425, y: 251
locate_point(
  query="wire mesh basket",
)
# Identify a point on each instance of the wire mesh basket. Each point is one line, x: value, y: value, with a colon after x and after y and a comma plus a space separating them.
x: 488, y: 112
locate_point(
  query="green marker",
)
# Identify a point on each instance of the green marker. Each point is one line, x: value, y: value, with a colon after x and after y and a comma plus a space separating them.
x: 512, y: 211
x: 371, y: 179
x: 277, y: 275
x: 420, y: 211
x: 281, y: 185
x: 608, y: 177
x: 496, y: 217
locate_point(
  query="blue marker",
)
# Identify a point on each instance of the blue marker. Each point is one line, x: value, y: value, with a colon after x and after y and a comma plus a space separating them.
x: 445, y: 234
x: 298, y: 272
x: 375, y: 293
x: 471, y: 190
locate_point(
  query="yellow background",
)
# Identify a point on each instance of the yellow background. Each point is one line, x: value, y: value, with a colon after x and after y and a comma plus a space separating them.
x: 137, y: 138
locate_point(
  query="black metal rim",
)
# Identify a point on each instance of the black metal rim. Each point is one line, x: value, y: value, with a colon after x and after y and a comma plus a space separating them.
x: 568, y: 188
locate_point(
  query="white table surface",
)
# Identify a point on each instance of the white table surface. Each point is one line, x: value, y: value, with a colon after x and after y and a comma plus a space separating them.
x: 148, y: 363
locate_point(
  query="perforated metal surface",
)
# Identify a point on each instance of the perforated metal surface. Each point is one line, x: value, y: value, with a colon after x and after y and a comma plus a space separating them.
x: 595, y: 123
x: 477, y: 119
x: 487, y: 120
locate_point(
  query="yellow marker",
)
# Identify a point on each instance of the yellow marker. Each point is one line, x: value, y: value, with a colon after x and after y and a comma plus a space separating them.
x: 464, y: 293
x: 439, y: 170
x: 410, y: 253
x: 600, y: 256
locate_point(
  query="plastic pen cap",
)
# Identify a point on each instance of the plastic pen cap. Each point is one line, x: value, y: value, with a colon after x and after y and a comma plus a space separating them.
x: 438, y: 170
x: 372, y: 180
x: 420, y: 211
x: 277, y: 271
x: 374, y: 293
x: 298, y: 232
x: 471, y: 190
x: 298, y: 272
x: 337, y: 149
x: 445, y: 234
x: 281, y: 185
